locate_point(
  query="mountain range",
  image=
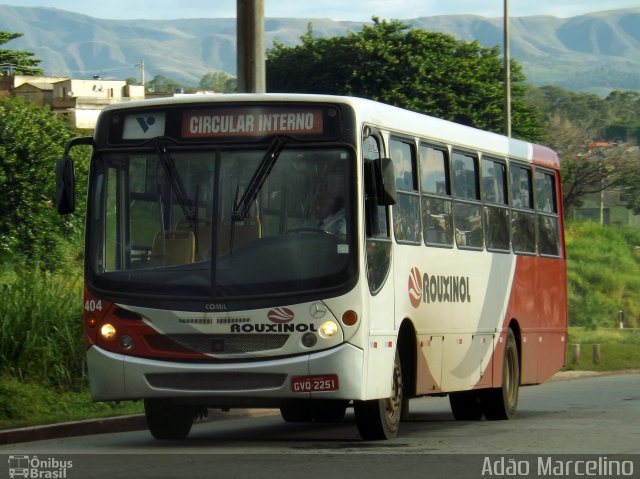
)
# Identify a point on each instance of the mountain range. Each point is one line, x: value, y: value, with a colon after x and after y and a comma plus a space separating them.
x: 597, y: 52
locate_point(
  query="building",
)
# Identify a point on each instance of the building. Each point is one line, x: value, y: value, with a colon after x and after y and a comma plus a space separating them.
x: 80, y: 101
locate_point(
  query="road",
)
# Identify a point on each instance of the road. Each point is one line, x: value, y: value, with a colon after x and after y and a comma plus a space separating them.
x: 596, y: 416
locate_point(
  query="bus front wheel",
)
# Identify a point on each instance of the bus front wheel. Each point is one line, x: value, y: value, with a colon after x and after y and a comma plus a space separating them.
x: 501, y: 403
x: 166, y: 420
x: 379, y: 418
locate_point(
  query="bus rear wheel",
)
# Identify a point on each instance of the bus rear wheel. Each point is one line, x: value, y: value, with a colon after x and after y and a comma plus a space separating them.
x: 379, y: 418
x: 501, y: 403
x: 168, y: 421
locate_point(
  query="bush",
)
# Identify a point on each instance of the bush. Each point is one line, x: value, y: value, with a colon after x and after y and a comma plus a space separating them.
x: 41, y: 337
x: 32, y: 138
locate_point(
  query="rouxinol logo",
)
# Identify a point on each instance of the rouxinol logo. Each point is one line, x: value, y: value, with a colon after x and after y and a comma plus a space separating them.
x: 281, y: 319
x: 280, y: 315
x: 437, y: 288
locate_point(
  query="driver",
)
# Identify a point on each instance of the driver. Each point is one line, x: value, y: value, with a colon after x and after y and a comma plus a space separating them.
x: 328, y: 214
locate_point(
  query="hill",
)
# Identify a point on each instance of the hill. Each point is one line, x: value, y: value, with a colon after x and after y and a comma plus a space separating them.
x: 597, y: 52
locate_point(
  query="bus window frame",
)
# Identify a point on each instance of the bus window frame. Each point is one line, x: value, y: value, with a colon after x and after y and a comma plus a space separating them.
x: 445, y: 198
x: 465, y: 200
x: 554, y: 214
x: 402, y: 192
x: 496, y: 205
x: 530, y: 211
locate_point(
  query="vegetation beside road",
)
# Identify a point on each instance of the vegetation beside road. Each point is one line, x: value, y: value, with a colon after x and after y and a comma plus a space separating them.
x: 619, y: 349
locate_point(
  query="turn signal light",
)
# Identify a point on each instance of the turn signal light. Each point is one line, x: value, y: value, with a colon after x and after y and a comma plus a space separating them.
x: 349, y: 318
x: 91, y: 320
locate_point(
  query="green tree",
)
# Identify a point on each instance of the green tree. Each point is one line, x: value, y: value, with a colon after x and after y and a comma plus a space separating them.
x: 162, y: 84
x: 575, y: 121
x: 391, y: 62
x: 32, y: 138
x: 17, y: 61
x: 220, y: 82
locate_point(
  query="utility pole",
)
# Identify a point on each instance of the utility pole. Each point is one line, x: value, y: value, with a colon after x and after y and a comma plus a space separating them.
x: 507, y: 73
x: 250, y: 46
x: 141, y: 65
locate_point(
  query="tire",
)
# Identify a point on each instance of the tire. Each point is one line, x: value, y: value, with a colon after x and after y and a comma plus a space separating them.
x: 466, y: 405
x: 379, y: 419
x: 328, y: 411
x: 309, y: 410
x: 297, y: 411
x: 167, y: 421
x: 501, y: 403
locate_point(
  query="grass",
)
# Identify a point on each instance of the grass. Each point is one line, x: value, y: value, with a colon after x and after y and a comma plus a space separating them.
x: 603, y: 273
x: 619, y: 349
x: 27, y: 404
x: 41, y: 327
x: 42, y: 364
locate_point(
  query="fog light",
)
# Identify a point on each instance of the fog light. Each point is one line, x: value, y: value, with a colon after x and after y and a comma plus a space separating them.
x: 328, y: 329
x: 126, y: 342
x: 309, y: 340
x: 108, y: 331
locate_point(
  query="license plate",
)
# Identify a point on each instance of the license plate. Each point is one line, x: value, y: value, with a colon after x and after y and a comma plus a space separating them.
x: 309, y: 384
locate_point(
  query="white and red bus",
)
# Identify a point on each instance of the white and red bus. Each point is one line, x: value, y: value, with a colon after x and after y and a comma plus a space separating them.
x: 312, y: 253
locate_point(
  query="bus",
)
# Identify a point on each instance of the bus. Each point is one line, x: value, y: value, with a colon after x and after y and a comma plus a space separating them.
x: 315, y: 253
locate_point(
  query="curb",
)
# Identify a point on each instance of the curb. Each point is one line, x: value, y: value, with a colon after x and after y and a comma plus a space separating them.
x: 136, y: 422
x: 75, y: 428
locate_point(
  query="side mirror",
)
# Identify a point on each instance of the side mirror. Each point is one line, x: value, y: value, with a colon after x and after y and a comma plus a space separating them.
x: 385, y: 182
x: 65, y: 186
x: 65, y: 177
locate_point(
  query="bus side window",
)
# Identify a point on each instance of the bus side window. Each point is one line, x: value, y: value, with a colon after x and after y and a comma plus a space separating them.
x: 523, y: 226
x: 437, y: 214
x: 496, y: 211
x: 547, y: 212
x: 467, y: 208
x: 376, y: 224
x: 406, y: 221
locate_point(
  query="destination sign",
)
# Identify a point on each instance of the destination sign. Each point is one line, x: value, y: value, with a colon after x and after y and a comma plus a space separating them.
x: 251, y: 122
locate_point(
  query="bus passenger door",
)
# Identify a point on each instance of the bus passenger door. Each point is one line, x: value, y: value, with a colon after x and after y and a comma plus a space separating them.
x: 381, y: 309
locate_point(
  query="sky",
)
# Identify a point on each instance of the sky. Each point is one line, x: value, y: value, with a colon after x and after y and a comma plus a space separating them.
x: 334, y: 9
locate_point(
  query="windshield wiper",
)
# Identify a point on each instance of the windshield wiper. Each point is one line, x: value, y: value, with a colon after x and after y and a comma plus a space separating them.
x: 243, y: 205
x: 176, y: 181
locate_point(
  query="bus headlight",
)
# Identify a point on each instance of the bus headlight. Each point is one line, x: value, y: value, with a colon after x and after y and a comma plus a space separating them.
x: 328, y: 329
x: 108, y: 331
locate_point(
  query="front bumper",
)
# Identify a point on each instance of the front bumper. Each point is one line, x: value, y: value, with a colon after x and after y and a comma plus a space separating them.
x: 114, y: 377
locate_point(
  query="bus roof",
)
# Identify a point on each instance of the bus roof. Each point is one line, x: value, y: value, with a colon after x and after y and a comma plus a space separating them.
x: 384, y: 116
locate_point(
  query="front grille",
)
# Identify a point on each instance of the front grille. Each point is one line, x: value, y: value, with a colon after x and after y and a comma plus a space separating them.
x: 216, y: 343
x: 216, y: 381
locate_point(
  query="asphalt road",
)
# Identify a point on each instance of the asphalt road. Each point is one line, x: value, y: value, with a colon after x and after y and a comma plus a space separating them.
x: 597, y: 417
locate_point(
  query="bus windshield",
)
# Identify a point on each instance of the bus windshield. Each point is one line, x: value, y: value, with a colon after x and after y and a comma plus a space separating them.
x: 165, y: 220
